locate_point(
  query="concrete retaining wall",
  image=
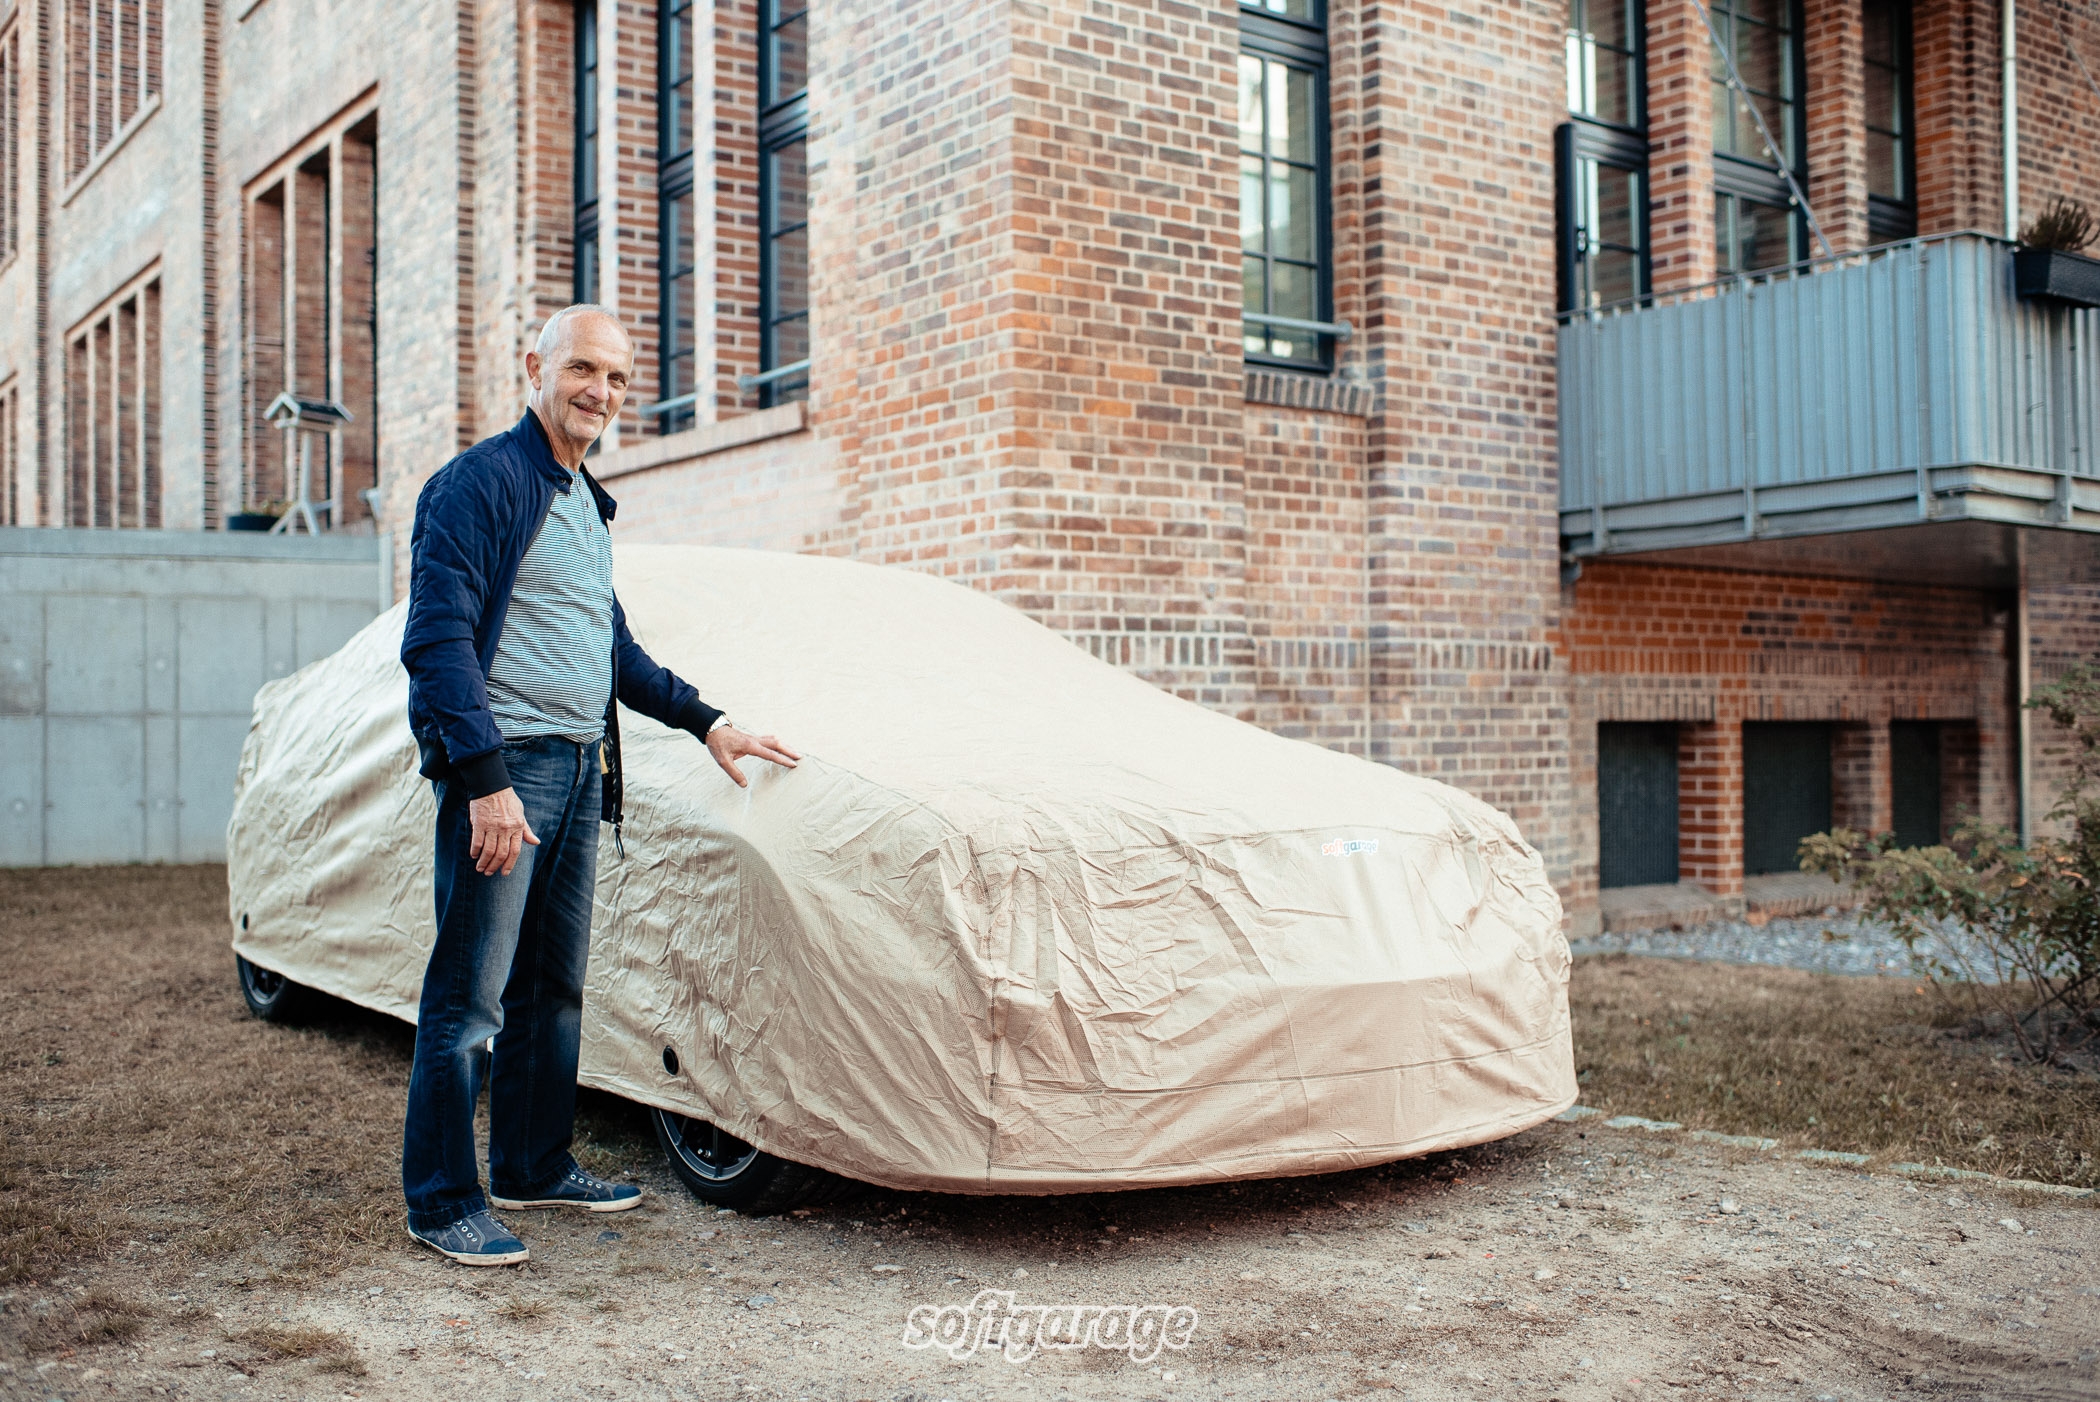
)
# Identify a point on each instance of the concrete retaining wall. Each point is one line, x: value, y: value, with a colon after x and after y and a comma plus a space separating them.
x: 128, y: 664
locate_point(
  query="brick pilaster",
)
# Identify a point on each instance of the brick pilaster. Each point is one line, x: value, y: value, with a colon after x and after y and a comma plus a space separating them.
x: 1834, y: 42
x: 1710, y: 805
x: 1680, y: 145
x: 1861, y: 786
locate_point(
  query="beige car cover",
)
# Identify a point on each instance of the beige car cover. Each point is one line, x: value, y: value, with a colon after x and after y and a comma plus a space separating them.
x: 1019, y: 923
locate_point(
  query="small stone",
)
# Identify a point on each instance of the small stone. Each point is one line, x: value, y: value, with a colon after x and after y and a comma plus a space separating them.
x: 608, y: 1236
x: 709, y: 1235
x: 2011, y: 1224
x: 1624, y: 1283
x: 1731, y: 1208
x: 376, y: 1290
x: 886, y: 1270
x: 1545, y: 1273
x: 209, y: 1353
x: 1021, y: 1273
x: 1585, y: 1362
x: 759, y: 1302
x: 1167, y: 1376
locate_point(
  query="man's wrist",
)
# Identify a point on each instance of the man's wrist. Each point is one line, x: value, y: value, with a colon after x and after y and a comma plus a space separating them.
x: 484, y: 774
x: 696, y: 718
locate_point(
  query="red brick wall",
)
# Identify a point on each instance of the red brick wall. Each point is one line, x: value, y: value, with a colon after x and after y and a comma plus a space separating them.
x: 1833, y: 42
x: 2065, y: 623
x: 1956, y: 43
x: 1960, y: 165
x: 1460, y: 285
x: 1711, y: 649
x: 2059, y: 106
x: 1306, y: 586
x: 1681, y: 145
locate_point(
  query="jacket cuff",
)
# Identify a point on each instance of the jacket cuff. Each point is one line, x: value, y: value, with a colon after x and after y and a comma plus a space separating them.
x: 484, y: 774
x: 696, y: 716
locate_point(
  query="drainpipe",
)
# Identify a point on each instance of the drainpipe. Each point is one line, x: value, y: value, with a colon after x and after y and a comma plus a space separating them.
x: 2023, y: 719
x: 2009, y: 87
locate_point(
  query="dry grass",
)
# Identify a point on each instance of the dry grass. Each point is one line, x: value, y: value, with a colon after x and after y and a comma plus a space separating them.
x: 519, y: 1310
x: 147, y: 1115
x: 1871, y: 1066
x: 150, y: 1128
x: 149, y: 1122
x: 280, y: 1343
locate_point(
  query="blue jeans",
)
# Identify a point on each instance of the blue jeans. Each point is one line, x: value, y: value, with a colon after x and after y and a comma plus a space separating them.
x: 508, y: 964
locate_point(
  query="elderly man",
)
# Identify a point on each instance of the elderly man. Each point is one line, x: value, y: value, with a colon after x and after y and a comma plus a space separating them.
x: 517, y: 652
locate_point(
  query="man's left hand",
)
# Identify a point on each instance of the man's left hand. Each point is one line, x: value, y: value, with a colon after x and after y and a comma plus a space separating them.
x: 728, y: 745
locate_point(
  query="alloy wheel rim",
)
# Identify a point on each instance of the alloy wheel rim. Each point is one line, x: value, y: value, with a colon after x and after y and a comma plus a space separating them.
x: 706, y: 1149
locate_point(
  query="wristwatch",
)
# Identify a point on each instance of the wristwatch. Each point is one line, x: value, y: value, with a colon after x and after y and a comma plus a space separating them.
x: 719, y: 722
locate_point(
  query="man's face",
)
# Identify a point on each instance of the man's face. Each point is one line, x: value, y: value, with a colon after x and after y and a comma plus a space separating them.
x: 581, y: 383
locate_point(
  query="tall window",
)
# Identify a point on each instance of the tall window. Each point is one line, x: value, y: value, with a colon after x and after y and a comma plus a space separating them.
x: 1892, y: 210
x: 783, y: 134
x: 10, y: 142
x: 586, y: 223
x: 14, y: 510
x: 1755, y: 222
x: 1603, y: 156
x: 310, y: 315
x: 1284, y: 236
x: 113, y: 411
x: 678, y: 208
x: 113, y: 52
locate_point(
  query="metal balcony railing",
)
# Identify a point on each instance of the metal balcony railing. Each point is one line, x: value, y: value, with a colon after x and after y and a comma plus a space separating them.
x: 1899, y: 385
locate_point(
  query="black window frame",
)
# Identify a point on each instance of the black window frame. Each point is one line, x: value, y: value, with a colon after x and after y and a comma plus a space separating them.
x: 584, y: 244
x: 674, y: 182
x: 1738, y: 179
x: 1587, y: 139
x: 783, y: 123
x: 1890, y: 219
x: 1301, y: 44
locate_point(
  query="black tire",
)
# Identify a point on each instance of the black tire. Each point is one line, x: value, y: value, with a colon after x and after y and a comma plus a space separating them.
x: 723, y: 1171
x: 271, y: 996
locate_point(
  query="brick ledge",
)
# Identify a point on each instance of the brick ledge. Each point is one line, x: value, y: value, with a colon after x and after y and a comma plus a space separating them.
x: 1328, y: 394
x: 701, y: 442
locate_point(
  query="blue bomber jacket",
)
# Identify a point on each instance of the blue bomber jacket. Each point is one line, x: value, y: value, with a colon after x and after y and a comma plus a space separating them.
x: 474, y: 520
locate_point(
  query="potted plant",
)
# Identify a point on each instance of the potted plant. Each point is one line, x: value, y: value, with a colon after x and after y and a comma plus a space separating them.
x: 2048, y: 262
x: 255, y: 520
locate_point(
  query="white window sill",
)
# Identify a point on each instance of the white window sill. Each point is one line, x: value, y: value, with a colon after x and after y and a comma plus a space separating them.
x: 116, y: 144
x: 671, y: 448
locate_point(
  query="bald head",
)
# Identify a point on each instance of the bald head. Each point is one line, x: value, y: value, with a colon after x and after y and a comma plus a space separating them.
x: 579, y: 369
x: 564, y: 324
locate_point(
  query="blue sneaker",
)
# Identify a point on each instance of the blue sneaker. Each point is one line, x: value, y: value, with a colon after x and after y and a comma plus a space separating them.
x: 475, y: 1240
x: 578, y: 1189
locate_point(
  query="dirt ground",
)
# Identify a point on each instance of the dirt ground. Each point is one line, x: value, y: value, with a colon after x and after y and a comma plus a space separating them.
x: 170, y: 1233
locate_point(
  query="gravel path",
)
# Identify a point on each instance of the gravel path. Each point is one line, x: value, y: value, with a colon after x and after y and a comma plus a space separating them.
x: 1570, y: 1262
x: 1831, y: 944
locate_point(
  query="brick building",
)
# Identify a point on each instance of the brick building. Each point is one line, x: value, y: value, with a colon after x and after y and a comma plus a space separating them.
x: 1411, y: 377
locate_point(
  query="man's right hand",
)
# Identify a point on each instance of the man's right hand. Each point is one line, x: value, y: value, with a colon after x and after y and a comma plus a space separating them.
x: 500, y: 832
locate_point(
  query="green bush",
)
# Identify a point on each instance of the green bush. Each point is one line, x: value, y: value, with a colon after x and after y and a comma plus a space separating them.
x: 2032, y: 912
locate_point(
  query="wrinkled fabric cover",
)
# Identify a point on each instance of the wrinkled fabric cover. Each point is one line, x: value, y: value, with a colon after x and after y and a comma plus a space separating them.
x: 1020, y: 922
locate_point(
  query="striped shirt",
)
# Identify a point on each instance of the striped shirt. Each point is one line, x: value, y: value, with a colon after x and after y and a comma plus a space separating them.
x: 553, y: 669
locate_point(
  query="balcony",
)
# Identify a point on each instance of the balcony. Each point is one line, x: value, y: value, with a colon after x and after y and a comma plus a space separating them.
x: 1893, y: 414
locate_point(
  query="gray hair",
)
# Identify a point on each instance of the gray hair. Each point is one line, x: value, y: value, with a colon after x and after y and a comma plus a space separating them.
x: 550, y: 334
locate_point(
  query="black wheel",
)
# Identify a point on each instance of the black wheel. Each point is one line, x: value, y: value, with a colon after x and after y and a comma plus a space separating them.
x: 270, y: 995
x: 720, y: 1169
